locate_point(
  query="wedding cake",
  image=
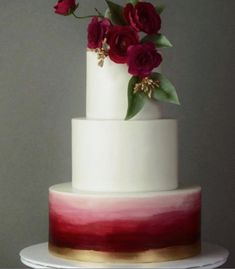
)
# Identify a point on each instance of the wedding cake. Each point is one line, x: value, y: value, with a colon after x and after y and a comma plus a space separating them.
x: 124, y: 203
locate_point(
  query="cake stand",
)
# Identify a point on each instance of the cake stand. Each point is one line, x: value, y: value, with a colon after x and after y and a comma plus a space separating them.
x: 38, y: 256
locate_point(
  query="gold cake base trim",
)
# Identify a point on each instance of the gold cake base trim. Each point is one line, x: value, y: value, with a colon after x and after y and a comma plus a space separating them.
x: 149, y: 256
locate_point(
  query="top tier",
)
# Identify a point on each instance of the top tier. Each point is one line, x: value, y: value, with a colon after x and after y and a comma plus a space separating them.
x: 124, y: 45
x: 107, y: 92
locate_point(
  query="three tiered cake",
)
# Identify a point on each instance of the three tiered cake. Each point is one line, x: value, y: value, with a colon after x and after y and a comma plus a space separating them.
x: 124, y: 203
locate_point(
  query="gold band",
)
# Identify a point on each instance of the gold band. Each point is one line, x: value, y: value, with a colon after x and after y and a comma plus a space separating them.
x: 155, y: 255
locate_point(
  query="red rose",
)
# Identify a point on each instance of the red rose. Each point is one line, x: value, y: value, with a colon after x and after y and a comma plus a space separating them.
x: 97, y: 31
x: 143, y: 17
x: 120, y: 38
x: 65, y: 7
x: 142, y: 59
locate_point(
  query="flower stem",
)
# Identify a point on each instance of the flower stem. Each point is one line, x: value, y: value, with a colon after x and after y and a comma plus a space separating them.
x: 85, y: 17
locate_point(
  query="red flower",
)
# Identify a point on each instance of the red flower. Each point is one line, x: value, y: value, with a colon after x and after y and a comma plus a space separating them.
x: 65, y: 7
x: 97, y: 31
x: 142, y: 59
x: 143, y: 17
x: 120, y: 38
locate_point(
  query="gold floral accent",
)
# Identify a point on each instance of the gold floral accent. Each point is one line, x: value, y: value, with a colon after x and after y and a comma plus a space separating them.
x: 102, y: 53
x: 147, y: 85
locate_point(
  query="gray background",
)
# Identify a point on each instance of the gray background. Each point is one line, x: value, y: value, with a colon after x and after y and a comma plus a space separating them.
x: 42, y: 86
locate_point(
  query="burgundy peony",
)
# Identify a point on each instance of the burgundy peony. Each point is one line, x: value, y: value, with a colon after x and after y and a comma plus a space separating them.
x: 119, y: 39
x: 65, y: 7
x: 143, y: 17
x: 97, y: 31
x: 142, y: 59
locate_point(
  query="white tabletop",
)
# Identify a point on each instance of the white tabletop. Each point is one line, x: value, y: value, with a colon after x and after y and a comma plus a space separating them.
x: 38, y: 256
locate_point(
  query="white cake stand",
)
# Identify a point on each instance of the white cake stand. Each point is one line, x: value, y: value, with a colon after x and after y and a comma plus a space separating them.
x: 38, y: 256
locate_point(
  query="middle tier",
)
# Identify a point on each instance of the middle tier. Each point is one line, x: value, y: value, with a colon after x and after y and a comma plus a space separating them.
x: 124, y: 156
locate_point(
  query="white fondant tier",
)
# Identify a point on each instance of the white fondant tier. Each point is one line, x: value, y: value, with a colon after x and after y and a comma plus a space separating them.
x: 107, y: 92
x: 124, y: 156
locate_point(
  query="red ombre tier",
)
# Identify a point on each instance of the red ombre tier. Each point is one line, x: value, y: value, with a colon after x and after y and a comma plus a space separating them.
x: 140, y: 227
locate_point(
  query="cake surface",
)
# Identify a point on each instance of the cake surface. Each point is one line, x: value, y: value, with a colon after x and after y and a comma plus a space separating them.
x: 124, y: 156
x: 124, y: 227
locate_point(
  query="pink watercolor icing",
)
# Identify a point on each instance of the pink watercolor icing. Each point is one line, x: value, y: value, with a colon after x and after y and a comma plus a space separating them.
x: 124, y: 224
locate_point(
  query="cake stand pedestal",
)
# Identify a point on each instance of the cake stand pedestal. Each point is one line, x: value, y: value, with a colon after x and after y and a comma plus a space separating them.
x: 38, y: 256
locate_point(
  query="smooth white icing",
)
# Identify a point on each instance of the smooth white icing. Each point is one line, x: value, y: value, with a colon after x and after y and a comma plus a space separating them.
x: 67, y: 189
x: 107, y: 92
x: 124, y: 156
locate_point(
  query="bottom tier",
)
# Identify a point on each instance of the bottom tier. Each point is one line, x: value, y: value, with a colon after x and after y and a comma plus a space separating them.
x: 130, y: 227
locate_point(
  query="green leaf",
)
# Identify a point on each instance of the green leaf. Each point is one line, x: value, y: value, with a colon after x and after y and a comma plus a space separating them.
x: 135, y: 100
x: 159, y: 40
x: 160, y: 9
x: 133, y: 2
x: 107, y: 13
x: 116, y: 12
x: 166, y: 92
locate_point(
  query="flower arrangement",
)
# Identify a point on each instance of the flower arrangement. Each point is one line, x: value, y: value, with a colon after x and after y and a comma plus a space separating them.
x: 129, y: 35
